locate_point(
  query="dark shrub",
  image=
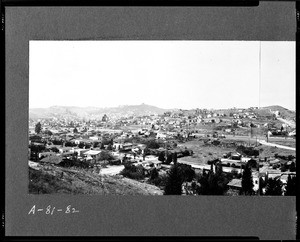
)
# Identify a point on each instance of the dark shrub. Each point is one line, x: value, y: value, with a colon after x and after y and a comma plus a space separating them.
x: 133, y: 172
x: 248, y: 151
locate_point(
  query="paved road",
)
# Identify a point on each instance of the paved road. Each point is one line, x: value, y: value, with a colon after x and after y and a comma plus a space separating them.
x: 263, y: 142
x: 111, y: 170
x: 247, y: 138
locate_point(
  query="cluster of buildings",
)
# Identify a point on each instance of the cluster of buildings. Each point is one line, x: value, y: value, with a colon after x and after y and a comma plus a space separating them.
x: 86, y: 139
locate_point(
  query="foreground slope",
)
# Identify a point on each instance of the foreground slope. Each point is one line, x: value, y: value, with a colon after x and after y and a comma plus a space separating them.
x: 52, y: 179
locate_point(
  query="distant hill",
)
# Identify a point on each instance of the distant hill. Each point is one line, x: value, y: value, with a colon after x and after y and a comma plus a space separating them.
x: 95, y: 112
x: 284, y: 112
x: 140, y: 110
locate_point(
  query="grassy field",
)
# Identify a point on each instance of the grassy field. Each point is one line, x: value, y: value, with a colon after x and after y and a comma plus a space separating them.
x: 285, y: 142
x: 53, y: 179
x: 268, y: 151
x: 204, y: 153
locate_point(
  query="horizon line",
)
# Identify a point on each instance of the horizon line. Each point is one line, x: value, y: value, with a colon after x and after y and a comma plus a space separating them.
x: 124, y: 105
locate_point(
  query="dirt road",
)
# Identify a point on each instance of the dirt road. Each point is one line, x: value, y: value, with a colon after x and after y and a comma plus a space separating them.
x: 112, y: 170
x: 263, y: 142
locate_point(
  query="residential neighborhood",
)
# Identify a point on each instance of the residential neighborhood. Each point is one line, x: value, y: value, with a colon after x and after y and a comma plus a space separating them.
x: 173, y: 152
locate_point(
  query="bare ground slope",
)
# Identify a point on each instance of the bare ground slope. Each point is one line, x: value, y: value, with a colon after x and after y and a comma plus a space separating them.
x: 53, y: 179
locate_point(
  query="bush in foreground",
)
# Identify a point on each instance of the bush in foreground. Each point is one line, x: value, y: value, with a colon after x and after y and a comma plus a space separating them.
x: 133, y: 172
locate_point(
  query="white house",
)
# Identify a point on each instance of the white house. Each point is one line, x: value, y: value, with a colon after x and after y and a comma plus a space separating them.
x: 64, y: 150
x: 79, y: 151
x: 92, y: 154
x: 95, y: 138
x: 161, y: 135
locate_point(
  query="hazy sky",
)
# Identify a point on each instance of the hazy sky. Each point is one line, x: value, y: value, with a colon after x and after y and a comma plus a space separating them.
x: 167, y: 74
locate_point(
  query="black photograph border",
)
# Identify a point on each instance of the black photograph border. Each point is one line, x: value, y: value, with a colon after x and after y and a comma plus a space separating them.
x: 13, y: 111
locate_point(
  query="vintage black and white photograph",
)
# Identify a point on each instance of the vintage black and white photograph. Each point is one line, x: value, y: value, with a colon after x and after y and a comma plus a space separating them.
x: 165, y: 117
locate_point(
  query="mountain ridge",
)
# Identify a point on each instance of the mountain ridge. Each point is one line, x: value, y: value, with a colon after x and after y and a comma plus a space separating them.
x: 142, y: 109
x: 127, y: 110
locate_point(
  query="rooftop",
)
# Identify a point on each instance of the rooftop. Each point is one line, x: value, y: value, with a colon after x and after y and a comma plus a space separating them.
x: 235, y: 183
x: 92, y: 152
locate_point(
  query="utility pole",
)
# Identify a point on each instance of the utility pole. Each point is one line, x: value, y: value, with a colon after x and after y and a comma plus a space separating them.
x: 166, y: 156
x: 250, y: 134
x: 268, y: 133
x: 256, y: 141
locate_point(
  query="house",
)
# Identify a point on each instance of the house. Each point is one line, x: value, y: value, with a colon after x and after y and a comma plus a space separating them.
x: 150, y: 164
x: 95, y: 138
x: 283, y: 178
x: 126, y: 146
x: 157, y: 164
x: 235, y: 184
x: 117, y: 146
x: 150, y: 158
x: 274, y: 161
x: 255, y: 178
x: 197, y: 167
x: 92, y: 154
x: 79, y: 151
x: 293, y: 133
x: 63, y: 150
x: 266, y: 171
x: 83, y: 141
x: 161, y: 135
x: 46, y: 154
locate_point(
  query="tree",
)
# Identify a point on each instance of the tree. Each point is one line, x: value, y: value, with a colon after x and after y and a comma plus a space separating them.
x: 247, y: 181
x: 75, y: 130
x: 48, y: 132
x: 161, y: 157
x: 283, y: 167
x: 292, y: 167
x: 54, y: 149
x: 187, y: 172
x: 169, y: 158
x: 57, y: 142
x: 38, y: 128
x: 133, y: 172
x: 204, y: 184
x: 153, y: 174
x: 261, y: 185
x: 273, y: 187
x: 174, y: 181
x: 252, y: 163
x: 212, y: 183
x: 35, y: 138
x: 106, y: 155
x: 234, y: 173
x: 174, y: 158
x: 35, y: 150
x: 152, y: 144
x: 290, y: 189
x: 155, y: 178
x: 69, y: 144
x: 104, y: 118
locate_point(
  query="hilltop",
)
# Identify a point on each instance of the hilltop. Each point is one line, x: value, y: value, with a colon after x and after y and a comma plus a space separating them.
x: 263, y: 115
x: 95, y: 112
x: 284, y: 112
